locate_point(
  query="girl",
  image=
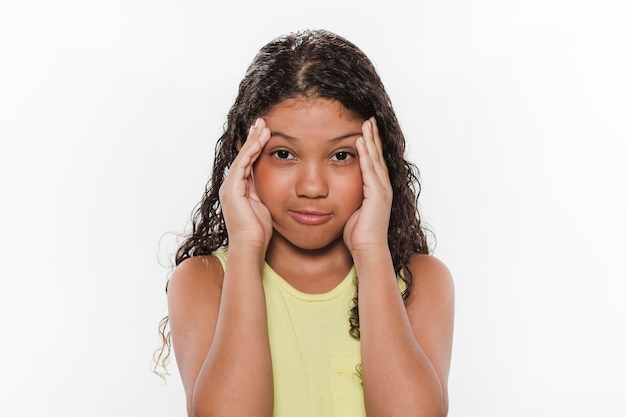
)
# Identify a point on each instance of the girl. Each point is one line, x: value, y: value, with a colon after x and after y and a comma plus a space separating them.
x: 305, y: 287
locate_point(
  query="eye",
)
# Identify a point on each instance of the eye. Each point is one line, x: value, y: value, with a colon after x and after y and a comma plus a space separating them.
x: 342, y: 156
x: 283, y: 154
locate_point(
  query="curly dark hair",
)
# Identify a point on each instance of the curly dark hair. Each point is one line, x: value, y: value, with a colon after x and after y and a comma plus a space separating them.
x: 313, y: 64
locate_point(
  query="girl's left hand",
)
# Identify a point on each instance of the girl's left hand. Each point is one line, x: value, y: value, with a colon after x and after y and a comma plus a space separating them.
x: 368, y: 226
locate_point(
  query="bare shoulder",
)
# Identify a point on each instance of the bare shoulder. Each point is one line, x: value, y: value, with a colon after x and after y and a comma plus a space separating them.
x: 432, y: 293
x: 197, y: 271
x: 431, y: 278
x: 193, y: 292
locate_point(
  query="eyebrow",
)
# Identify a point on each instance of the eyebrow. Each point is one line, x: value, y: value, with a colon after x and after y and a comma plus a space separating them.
x: 337, y: 139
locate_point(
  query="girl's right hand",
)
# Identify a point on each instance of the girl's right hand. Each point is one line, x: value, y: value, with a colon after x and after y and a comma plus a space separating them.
x: 247, y: 219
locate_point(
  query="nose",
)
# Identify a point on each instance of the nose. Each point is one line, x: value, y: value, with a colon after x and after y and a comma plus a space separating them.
x: 311, y: 181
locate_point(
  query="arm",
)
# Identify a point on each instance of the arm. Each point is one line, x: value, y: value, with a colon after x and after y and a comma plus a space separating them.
x: 219, y: 326
x: 405, y: 347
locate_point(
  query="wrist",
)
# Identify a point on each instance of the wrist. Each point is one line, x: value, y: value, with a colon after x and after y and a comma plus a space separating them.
x: 367, y: 250
x: 251, y: 253
x: 371, y: 255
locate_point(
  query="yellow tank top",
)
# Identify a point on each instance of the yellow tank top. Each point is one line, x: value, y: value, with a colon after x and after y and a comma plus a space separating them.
x: 314, y: 358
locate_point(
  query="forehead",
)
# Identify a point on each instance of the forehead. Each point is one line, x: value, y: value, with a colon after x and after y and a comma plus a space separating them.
x: 318, y: 117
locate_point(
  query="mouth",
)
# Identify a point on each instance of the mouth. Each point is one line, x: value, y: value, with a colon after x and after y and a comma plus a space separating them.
x: 310, y: 217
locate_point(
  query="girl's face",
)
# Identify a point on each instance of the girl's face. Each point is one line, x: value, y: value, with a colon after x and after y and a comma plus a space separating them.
x: 308, y: 174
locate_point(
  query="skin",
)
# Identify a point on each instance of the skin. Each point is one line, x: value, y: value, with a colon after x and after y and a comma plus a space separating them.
x: 310, y: 191
x: 308, y: 176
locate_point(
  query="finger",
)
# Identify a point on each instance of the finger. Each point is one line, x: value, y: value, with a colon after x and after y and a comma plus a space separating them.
x: 257, y: 139
x: 258, y: 126
x: 239, y: 176
x: 374, y: 149
x: 255, y: 133
x: 264, y: 137
x: 366, y: 163
x: 377, y: 140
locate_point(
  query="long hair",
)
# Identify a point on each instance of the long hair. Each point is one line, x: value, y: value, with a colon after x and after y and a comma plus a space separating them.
x: 312, y: 64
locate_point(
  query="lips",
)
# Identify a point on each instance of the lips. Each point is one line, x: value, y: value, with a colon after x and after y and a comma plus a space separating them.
x: 310, y: 217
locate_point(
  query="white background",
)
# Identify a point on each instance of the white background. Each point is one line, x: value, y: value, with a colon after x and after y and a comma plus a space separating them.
x: 514, y: 112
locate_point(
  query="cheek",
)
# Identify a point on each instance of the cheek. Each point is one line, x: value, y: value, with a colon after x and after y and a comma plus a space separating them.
x: 350, y: 186
x: 266, y: 181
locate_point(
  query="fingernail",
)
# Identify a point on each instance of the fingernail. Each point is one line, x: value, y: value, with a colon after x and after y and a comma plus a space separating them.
x: 256, y: 123
x: 369, y: 125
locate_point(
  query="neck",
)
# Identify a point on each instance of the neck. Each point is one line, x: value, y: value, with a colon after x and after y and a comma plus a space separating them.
x: 310, y: 271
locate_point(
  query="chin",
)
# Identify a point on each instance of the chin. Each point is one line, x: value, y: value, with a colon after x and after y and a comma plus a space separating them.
x: 310, y: 244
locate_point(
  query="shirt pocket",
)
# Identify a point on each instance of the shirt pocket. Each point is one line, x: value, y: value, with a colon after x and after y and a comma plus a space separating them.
x: 347, y: 387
